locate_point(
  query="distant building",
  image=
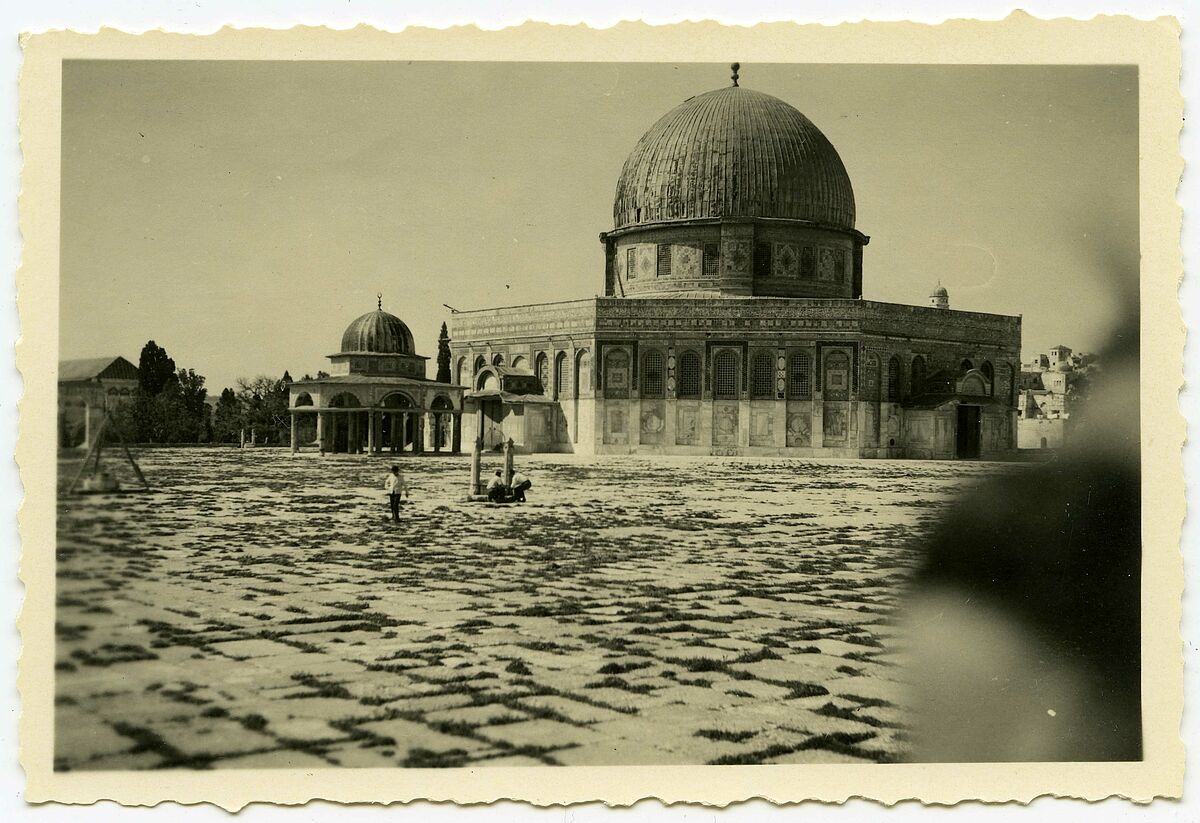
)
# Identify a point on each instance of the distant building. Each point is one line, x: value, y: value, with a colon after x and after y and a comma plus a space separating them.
x: 732, y: 319
x: 1046, y: 401
x: 87, y: 390
x: 376, y: 397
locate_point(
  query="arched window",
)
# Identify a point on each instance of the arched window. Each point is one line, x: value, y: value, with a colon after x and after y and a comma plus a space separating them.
x: 616, y: 374
x: 893, y: 380
x: 725, y: 375
x: 800, y: 377
x: 345, y: 400
x: 989, y: 374
x: 654, y: 374
x: 480, y: 362
x: 303, y: 399
x: 762, y: 385
x: 519, y: 362
x: 543, y: 371
x: 965, y: 366
x: 583, y: 372
x: 460, y: 372
x: 498, y: 360
x: 916, y: 383
x: 562, y: 375
x: 808, y: 263
x: 688, y: 384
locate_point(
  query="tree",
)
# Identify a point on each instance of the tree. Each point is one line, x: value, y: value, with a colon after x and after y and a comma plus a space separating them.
x: 443, y: 356
x: 264, y: 403
x: 228, y: 419
x: 190, y: 421
x: 155, y: 369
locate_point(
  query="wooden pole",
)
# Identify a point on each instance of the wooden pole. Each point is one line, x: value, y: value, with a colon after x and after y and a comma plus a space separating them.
x: 91, y: 452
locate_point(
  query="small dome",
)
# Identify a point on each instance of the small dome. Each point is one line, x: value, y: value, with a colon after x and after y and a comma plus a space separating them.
x: 940, y: 291
x: 734, y: 152
x: 378, y: 332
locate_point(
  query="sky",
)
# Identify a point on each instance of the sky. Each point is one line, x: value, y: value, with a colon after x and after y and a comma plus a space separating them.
x: 242, y: 214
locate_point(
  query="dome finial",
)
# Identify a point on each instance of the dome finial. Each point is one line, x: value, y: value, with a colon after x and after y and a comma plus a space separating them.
x: 735, y: 68
x: 379, y: 300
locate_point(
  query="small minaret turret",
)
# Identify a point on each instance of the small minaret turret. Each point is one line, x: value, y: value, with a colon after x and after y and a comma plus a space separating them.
x: 940, y: 299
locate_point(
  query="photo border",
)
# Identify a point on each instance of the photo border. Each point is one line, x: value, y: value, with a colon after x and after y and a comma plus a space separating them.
x: 1152, y: 45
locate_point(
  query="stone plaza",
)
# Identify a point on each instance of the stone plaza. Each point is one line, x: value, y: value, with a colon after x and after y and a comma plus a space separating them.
x: 257, y: 610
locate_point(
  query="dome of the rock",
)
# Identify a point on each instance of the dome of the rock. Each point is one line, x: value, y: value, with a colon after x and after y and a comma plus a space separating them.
x: 734, y: 152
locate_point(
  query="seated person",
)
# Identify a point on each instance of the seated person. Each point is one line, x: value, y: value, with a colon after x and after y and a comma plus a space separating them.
x: 496, y: 490
x: 519, y: 484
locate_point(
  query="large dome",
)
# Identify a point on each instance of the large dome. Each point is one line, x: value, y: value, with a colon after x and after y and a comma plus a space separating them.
x: 378, y: 332
x: 734, y: 152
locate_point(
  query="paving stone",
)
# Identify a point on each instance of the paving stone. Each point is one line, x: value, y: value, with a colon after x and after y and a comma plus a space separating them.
x: 76, y: 736
x: 410, y: 735
x: 476, y: 715
x: 430, y: 703
x: 243, y: 649
x: 548, y: 733
x: 571, y: 709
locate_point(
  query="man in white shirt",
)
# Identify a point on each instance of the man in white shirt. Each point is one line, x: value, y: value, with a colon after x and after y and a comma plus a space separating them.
x: 519, y: 484
x: 496, y: 488
x: 394, y: 485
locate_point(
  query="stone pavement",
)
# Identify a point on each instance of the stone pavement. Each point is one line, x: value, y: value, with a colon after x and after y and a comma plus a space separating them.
x: 258, y: 610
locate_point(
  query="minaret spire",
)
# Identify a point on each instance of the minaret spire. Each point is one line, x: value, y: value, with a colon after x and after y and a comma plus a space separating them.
x: 379, y: 300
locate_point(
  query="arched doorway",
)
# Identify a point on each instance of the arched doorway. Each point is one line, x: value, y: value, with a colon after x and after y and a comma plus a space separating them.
x: 443, y: 423
x: 398, y: 422
x: 305, y: 423
x: 345, y: 425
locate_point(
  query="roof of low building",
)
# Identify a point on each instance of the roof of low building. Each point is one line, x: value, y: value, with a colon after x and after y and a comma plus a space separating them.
x: 112, y: 367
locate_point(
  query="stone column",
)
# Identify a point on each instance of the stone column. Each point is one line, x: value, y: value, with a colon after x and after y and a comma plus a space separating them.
x: 370, y: 432
x: 321, y: 432
x: 476, y: 454
x: 428, y: 421
x: 332, y: 426
x: 508, y: 461
x: 456, y: 433
x: 479, y: 422
x: 295, y: 447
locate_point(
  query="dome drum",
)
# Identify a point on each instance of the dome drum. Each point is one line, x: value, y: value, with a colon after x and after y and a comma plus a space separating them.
x: 735, y: 257
x: 734, y: 193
